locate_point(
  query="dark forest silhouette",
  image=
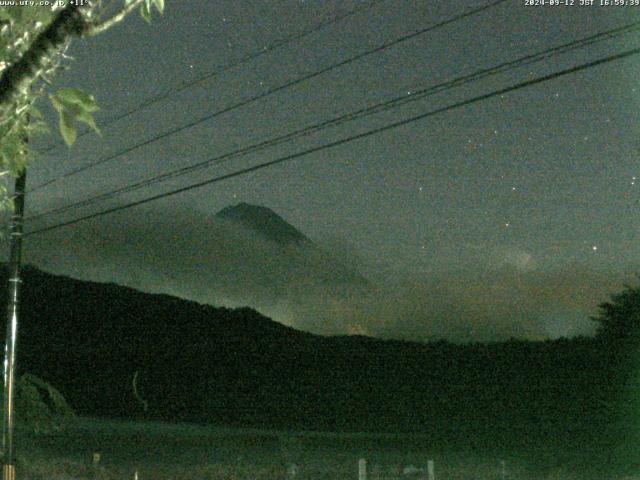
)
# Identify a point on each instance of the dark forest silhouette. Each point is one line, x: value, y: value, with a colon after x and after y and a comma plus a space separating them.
x: 235, y: 367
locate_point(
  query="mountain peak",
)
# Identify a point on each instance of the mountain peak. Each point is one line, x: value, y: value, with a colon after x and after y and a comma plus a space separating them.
x: 264, y: 221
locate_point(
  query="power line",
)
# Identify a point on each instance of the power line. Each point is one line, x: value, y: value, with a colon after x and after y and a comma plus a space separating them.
x: 376, y: 108
x: 336, y: 143
x: 247, y: 58
x: 269, y: 92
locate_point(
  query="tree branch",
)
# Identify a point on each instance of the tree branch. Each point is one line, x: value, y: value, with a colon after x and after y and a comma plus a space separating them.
x: 17, y: 78
x: 95, y: 28
x: 69, y: 22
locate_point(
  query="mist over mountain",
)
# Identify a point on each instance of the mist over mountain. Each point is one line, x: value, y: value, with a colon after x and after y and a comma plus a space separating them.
x: 248, y: 255
x: 242, y: 255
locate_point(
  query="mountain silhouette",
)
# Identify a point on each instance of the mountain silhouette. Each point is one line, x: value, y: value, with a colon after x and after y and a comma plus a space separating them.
x: 264, y: 221
x: 201, y: 363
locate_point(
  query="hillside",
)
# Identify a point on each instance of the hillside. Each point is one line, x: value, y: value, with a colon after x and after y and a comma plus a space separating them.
x: 236, y: 367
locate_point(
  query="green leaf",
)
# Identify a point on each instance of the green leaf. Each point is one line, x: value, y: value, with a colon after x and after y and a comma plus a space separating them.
x: 13, y: 154
x: 37, y: 127
x: 13, y: 13
x: 56, y: 103
x: 73, y: 105
x: 145, y: 11
x: 159, y: 6
x: 87, y: 118
x: 67, y: 129
x: 6, y: 202
x: 5, y: 16
x: 35, y: 113
x: 73, y: 96
x: 65, y: 120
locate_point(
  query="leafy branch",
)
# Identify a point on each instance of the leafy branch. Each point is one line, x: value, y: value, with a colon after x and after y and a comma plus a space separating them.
x: 32, y: 44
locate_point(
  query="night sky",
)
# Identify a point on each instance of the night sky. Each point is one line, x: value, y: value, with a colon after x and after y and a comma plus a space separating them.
x: 514, y: 216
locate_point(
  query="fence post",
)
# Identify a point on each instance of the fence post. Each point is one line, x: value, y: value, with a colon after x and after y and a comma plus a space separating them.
x: 431, y: 470
x: 503, y: 469
x: 362, y: 469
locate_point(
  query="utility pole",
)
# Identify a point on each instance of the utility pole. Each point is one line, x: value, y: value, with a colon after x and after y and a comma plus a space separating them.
x: 13, y: 303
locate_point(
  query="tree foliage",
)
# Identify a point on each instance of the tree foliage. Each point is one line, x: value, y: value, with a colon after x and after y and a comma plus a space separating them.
x: 33, y: 42
x: 619, y: 318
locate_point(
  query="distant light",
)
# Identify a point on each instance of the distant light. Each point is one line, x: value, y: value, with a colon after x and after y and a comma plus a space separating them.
x: 594, y: 248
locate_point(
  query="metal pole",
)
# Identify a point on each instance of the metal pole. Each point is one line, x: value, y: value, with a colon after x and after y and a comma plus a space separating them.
x: 13, y: 303
x: 362, y: 469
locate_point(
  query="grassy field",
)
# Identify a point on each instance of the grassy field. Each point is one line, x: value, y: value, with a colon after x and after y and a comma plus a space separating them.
x: 162, y: 451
